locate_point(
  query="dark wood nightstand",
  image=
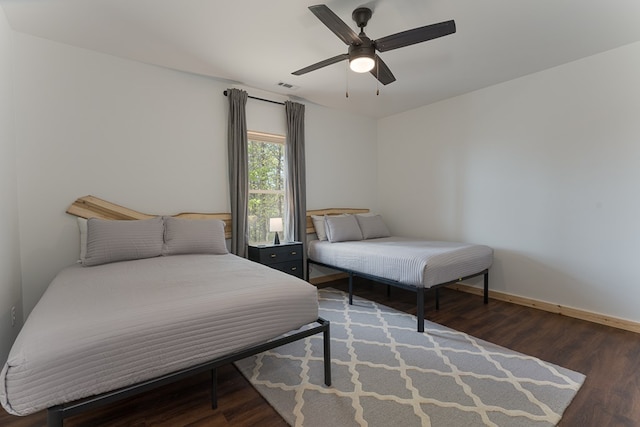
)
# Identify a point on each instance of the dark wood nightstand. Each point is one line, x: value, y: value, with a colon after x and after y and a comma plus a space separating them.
x: 285, y: 257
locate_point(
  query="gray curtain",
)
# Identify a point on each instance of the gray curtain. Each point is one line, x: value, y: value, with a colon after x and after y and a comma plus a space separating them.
x: 296, y: 195
x: 238, y: 171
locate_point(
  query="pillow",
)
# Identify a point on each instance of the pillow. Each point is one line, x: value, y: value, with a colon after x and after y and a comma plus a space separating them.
x: 372, y: 226
x: 82, y: 226
x: 342, y: 228
x: 318, y: 224
x: 194, y: 236
x: 112, y: 241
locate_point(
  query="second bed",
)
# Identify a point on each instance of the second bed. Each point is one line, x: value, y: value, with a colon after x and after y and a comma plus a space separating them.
x: 361, y: 245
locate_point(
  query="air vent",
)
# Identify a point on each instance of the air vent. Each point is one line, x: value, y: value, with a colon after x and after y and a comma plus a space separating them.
x: 287, y: 86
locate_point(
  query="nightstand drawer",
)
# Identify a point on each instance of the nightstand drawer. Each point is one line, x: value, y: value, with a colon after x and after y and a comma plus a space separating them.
x: 273, y: 254
x: 292, y: 267
x: 285, y: 257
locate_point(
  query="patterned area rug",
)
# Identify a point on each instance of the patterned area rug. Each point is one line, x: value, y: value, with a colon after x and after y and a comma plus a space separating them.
x: 387, y: 374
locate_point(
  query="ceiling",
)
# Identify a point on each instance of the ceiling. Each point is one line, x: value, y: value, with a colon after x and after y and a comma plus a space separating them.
x: 259, y: 43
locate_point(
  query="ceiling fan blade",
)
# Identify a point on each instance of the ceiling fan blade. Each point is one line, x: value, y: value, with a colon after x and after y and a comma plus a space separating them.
x: 321, y: 64
x: 382, y: 72
x: 417, y: 35
x: 335, y: 24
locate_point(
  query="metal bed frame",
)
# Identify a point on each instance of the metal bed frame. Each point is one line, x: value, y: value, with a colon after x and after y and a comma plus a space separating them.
x: 420, y: 291
x: 57, y: 414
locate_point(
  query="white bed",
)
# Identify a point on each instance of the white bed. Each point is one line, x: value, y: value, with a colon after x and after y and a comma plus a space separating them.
x: 361, y: 245
x: 413, y: 262
x: 101, y: 328
x: 151, y: 301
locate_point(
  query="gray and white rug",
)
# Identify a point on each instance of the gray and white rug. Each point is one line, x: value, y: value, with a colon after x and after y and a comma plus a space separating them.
x: 387, y: 374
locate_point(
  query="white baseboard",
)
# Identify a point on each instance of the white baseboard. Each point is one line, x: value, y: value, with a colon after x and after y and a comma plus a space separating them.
x: 602, y: 319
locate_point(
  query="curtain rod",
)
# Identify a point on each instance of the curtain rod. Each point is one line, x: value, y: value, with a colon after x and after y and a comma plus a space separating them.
x: 259, y: 99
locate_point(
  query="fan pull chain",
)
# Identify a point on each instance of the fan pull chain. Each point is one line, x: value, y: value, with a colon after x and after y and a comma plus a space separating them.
x: 377, y: 77
x: 347, y: 92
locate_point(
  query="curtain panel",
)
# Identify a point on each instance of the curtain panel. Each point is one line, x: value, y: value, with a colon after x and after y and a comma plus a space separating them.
x: 238, y: 171
x: 296, y: 195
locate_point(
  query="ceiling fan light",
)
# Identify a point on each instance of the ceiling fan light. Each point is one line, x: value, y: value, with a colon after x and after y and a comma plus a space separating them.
x: 362, y: 64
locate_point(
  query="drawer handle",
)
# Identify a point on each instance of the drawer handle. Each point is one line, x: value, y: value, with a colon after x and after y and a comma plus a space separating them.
x: 294, y: 268
x: 294, y: 253
x: 273, y: 255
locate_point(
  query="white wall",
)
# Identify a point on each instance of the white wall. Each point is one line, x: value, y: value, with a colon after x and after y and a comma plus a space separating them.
x: 145, y: 137
x: 10, y: 291
x: 544, y: 168
x: 341, y: 159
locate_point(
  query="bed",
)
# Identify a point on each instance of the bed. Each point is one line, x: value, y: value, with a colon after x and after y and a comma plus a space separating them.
x: 360, y: 244
x: 108, y: 328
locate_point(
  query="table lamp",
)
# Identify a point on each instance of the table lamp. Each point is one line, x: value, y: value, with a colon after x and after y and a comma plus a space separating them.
x: 275, y: 224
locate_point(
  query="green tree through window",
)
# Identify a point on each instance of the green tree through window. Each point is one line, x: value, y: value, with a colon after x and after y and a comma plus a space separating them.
x: 266, y: 184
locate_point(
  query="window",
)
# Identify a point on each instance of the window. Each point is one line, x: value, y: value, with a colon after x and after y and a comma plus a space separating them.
x: 266, y: 184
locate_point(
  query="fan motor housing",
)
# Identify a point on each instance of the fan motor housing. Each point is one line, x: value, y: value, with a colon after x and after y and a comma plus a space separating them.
x: 361, y: 16
x: 365, y: 49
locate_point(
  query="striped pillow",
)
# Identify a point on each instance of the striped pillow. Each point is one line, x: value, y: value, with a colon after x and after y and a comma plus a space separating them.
x: 372, y: 226
x: 194, y: 236
x: 112, y: 241
x: 342, y: 228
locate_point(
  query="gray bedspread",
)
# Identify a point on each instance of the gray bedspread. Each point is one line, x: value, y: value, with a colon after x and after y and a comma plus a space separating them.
x: 414, y: 262
x: 100, y: 328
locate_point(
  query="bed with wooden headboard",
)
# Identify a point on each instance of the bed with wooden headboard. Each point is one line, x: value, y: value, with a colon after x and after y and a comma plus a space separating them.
x: 359, y: 243
x: 154, y: 300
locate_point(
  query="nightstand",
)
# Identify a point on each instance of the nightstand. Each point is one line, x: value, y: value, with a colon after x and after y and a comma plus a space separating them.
x: 285, y: 257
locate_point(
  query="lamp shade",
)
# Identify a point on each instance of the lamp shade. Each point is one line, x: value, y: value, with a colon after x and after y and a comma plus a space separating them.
x: 362, y: 64
x: 275, y: 224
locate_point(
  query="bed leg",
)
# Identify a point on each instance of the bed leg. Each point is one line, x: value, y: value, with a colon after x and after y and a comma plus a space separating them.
x: 54, y: 417
x: 214, y: 388
x: 350, y: 288
x: 437, y: 298
x: 420, y: 309
x: 486, y: 287
x: 326, y: 337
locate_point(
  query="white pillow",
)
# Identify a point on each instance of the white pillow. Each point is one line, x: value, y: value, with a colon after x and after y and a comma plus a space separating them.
x: 342, y: 228
x: 112, y: 241
x: 372, y: 226
x: 194, y: 236
x: 82, y: 226
x: 318, y: 224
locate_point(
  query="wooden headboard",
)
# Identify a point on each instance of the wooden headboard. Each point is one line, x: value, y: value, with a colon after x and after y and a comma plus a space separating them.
x: 330, y: 211
x: 94, y: 207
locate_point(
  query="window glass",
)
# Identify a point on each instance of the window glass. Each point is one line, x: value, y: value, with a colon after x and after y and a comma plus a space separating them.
x: 266, y: 184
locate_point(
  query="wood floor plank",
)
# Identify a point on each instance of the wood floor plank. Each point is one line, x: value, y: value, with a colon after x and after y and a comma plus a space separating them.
x: 609, y: 357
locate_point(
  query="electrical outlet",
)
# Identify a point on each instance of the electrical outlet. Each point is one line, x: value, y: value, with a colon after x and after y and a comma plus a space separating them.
x: 13, y: 315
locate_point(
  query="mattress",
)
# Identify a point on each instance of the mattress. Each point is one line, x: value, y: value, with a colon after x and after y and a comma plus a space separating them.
x: 413, y: 262
x: 100, y: 328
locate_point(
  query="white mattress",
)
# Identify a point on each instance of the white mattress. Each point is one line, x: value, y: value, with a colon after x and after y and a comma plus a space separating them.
x: 100, y: 328
x: 413, y: 262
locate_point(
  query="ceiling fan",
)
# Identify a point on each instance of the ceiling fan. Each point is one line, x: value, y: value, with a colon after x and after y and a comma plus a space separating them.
x: 362, y: 50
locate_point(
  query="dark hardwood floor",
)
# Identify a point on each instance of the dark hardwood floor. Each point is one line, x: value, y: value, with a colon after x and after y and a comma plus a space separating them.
x: 610, y: 358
